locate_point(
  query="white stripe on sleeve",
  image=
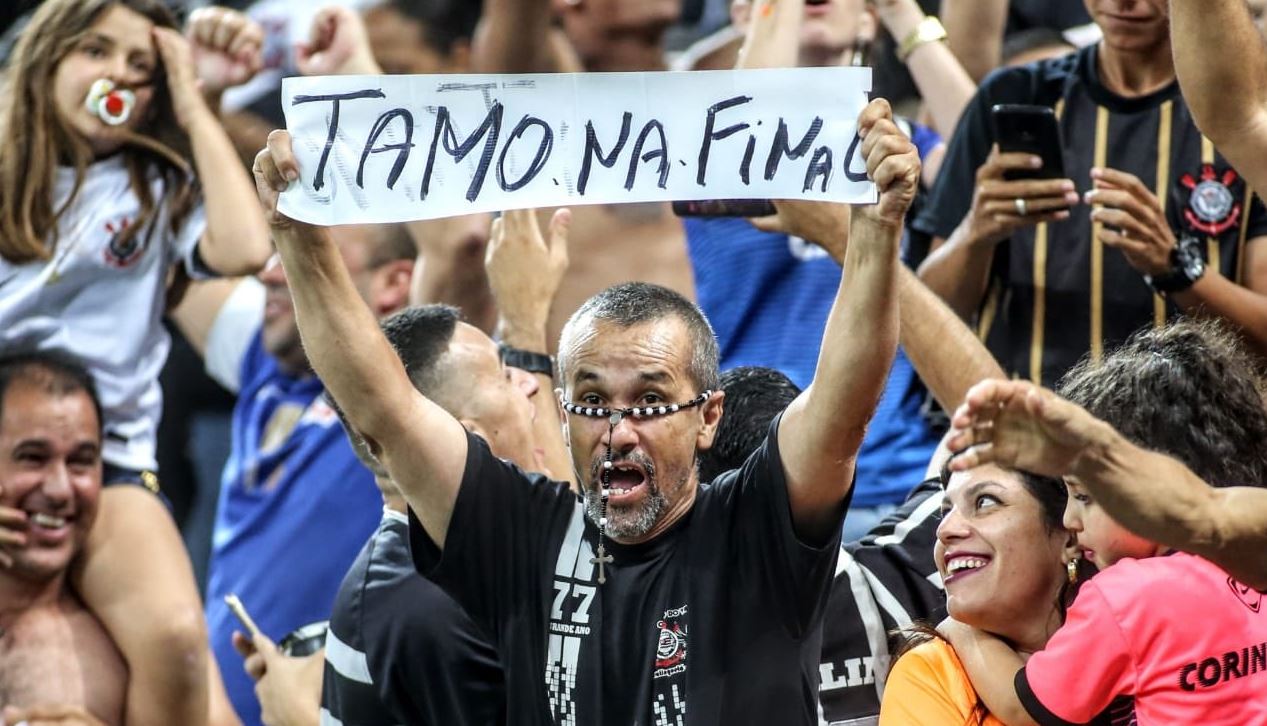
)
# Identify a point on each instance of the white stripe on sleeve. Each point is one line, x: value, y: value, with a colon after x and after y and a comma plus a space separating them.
x: 346, y: 660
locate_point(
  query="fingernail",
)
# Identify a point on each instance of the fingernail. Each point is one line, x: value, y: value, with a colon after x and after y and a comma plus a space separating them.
x: 292, y: 175
x: 1096, y: 173
x: 1062, y: 214
x: 1066, y: 186
x: 1036, y: 161
x: 1072, y: 197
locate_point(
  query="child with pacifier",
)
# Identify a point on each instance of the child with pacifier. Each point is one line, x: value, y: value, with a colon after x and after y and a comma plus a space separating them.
x: 117, y: 181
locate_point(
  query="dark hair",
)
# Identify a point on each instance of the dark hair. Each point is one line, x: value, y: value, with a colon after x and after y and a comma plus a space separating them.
x: 57, y: 374
x: 754, y: 396
x: 632, y: 303
x: 1031, y: 39
x: 445, y: 22
x: 420, y: 336
x: 1188, y: 390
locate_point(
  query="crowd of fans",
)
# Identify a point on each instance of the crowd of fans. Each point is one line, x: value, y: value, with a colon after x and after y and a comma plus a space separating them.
x: 992, y: 450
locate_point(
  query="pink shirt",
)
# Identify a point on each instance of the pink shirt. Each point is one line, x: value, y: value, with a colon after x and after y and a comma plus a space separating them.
x: 1176, y: 633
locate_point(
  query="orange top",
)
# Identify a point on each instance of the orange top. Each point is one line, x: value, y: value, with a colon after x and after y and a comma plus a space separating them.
x: 928, y: 687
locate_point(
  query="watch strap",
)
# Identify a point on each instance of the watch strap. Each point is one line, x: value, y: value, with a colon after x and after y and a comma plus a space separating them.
x: 1186, y: 267
x: 527, y: 360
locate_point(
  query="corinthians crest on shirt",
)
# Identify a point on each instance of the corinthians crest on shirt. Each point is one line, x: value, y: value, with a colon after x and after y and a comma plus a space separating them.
x: 671, y: 647
x: 123, y: 249
x: 1214, y: 200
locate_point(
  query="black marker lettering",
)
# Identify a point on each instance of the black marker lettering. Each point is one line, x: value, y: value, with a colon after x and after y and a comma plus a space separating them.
x: 819, y: 165
x: 661, y: 153
x: 538, y: 162
x: 745, y: 167
x: 710, y: 135
x: 594, y: 151
x: 335, y: 98
x: 780, y: 149
x: 401, y: 149
x: 849, y: 157
x: 490, y: 130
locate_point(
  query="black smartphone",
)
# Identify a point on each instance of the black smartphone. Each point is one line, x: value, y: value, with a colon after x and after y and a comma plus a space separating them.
x: 1030, y: 130
x: 725, y: 208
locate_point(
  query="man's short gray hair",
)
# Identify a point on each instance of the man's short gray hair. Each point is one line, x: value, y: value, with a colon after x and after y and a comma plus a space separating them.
x: 632, y: 303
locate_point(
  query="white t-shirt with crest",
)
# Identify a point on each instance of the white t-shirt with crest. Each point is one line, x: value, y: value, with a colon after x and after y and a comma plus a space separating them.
x: 102, y: 300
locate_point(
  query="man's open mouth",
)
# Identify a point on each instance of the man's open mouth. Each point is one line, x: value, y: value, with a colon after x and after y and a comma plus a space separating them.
x: 625, y: 479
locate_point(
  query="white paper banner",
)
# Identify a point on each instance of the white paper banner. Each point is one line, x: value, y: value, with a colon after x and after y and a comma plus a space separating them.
x: 398, y: 148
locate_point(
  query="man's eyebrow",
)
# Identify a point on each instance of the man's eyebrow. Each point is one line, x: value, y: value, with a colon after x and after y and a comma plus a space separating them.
x: 585, y: 376
x: 88, y: 447
x: 33, y: 441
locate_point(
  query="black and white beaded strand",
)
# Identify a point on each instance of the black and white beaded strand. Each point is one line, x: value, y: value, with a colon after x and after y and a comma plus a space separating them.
x: 614, y: 417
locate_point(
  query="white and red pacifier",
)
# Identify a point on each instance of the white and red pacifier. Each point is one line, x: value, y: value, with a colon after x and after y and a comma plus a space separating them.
x: 112, y: 105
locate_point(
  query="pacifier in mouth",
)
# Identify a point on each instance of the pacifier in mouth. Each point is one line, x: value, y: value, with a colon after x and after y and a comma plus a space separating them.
x: 111, y: 104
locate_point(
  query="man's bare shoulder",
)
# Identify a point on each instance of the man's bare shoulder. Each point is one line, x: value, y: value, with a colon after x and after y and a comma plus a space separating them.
x: 60, y: 654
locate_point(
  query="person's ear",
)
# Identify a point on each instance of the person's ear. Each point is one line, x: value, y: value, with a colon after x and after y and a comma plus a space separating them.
x: 391, y: 288
x: 712, y: 411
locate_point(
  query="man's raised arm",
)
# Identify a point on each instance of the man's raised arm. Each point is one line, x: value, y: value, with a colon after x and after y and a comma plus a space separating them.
x: 1222, y: 68
x: 422, y: 446
x: 1017, y: 424
x: 820, y: 434
x: 945, y: 352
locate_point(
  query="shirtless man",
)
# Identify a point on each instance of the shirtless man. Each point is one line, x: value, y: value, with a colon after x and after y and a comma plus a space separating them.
x: 57, y: 663
x: 610, y: 243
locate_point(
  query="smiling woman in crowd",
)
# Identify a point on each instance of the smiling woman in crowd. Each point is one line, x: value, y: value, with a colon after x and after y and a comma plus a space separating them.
x: 1005, y: 559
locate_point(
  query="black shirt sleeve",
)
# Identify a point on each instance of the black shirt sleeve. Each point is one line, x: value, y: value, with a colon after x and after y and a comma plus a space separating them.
x: 794, y: 576
x: 899, y: 553
x: 1035, y: 707
x: 504, y: 527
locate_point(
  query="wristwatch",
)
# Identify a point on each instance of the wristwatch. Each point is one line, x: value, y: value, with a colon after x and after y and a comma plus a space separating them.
x: 929, y: 30
x: 1186, y: 267
x: 526, y: 360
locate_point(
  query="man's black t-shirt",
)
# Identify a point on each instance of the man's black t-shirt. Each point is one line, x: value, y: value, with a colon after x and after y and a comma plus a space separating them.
x: 1056, y: 291
x: 717, y: 621
x: 400, y: 651
x: 886, y: 581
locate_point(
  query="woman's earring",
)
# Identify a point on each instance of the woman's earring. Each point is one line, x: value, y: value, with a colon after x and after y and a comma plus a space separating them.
x: 1071, y: 567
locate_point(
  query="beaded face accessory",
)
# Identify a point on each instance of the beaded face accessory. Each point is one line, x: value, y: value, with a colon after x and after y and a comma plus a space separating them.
x: 614, y: 416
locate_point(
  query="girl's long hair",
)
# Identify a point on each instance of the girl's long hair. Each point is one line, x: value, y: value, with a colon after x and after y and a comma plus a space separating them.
x: 37, y: 138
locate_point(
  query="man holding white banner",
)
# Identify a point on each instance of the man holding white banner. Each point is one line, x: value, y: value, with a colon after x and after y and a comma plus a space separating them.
x: 394, y: 149
x: 649, y: 592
